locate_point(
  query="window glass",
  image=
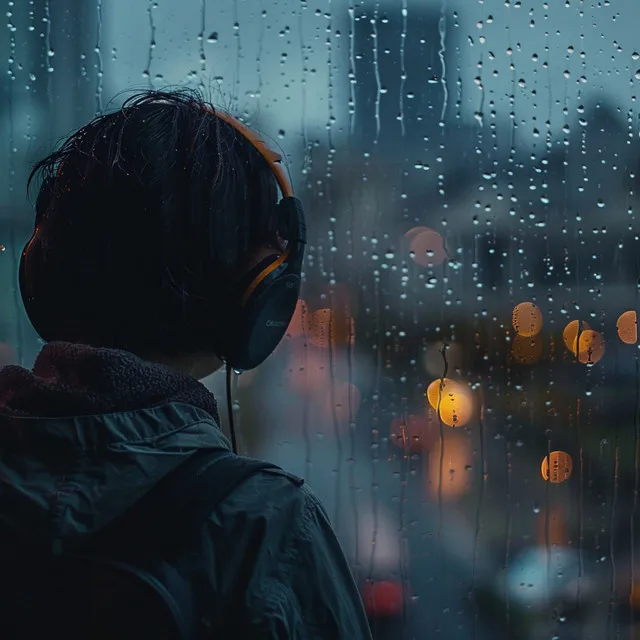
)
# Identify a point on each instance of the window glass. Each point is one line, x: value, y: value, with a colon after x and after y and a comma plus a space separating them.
x: 460, y: 383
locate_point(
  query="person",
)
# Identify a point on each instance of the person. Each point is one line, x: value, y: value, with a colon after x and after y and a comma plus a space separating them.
x: 148, y: 220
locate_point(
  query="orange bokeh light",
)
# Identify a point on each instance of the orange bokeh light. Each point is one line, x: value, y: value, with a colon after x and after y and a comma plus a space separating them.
x: 526, y: 350
x: 302, y: 320
x: 561, y: 467
x: 628, y: 327
x: 413, y: 232
x: 591, y: 347
x: 331, y: 327
x: 427, y: 248
x: 452, y: 400
x: 527, y: 319
x: 552, y: 528
x: 570, y: 333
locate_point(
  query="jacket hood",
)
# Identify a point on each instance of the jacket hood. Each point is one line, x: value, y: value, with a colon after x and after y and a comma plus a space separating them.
x: 88, y: 432
x: 75, y: 380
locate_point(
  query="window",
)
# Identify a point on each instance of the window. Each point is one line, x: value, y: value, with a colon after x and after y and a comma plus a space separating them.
x: 460, y: 382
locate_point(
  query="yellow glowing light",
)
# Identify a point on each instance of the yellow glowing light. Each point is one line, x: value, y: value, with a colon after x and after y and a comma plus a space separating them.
x: 561, y: 467
x: 449, y: 468
x: 453, y: 401
x: 428, y: 249
x: 527, y: 319
x: 591, y: 348
x: 526, y: 350
x: 570, y: 333
x: 628, y: 327
x: 438, y: 389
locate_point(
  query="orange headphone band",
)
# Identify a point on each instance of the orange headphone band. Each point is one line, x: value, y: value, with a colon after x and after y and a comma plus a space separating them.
x: 261, y: 276
x: 268, y: 154
x: 272, y: 159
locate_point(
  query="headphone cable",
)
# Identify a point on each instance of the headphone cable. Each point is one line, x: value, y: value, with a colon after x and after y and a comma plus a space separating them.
x: 232, y: 428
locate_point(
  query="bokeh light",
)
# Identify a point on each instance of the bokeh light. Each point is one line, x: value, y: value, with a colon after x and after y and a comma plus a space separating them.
x: 427, y: 248
x: 570, y: 333
x: 301, y: 322
x: 331, y: 328
x: 413, y: 232
x: 591, y: 347
x: 526, y: 350
x: 452, y: 400
x: 527, y: 319
x: 628, y: 327
x: 415, y: 433
x: 559, y: 469
x: 552, y: 527
x: 383, y: 598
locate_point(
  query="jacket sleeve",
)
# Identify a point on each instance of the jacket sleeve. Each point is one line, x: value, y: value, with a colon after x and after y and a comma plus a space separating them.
x: 302, y: 587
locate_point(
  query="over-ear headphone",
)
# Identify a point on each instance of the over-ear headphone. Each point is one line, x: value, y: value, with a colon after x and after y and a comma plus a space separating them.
x: 265, y: 297
x: 269, y: 292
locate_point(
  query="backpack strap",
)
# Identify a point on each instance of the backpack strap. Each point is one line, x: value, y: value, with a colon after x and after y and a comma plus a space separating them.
x: 179, y: 505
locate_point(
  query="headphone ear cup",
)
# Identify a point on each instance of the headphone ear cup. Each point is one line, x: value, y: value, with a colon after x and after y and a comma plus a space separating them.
x: 262, y: 319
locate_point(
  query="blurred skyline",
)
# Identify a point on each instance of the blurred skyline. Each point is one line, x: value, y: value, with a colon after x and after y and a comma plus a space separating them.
x: 259, y: 65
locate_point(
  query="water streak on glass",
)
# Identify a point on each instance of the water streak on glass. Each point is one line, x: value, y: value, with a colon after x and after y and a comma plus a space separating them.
x: 152, y: 42
x: 442, y: 31
x: 352, y: 68
x: 98, y: 52
x: 376, y: 65
x: 403, y: 69
x: 509, y: 132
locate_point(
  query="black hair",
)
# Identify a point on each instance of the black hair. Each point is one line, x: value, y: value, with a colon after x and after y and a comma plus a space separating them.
x: 144, y: 218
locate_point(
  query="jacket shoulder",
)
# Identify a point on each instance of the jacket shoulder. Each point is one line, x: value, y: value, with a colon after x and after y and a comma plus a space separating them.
x: 277, y: 547
x: 267, y: 494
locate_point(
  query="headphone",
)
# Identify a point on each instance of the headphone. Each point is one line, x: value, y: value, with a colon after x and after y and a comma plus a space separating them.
x: 269, y: 292
x: 265, y: 297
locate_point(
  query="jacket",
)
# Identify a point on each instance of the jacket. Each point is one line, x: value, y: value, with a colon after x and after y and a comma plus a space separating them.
x: 90, y: 431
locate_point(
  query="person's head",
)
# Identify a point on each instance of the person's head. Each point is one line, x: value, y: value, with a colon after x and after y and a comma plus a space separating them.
x: 146, y: 219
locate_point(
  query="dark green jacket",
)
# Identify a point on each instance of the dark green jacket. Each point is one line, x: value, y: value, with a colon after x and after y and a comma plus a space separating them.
x: 91, y: 431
